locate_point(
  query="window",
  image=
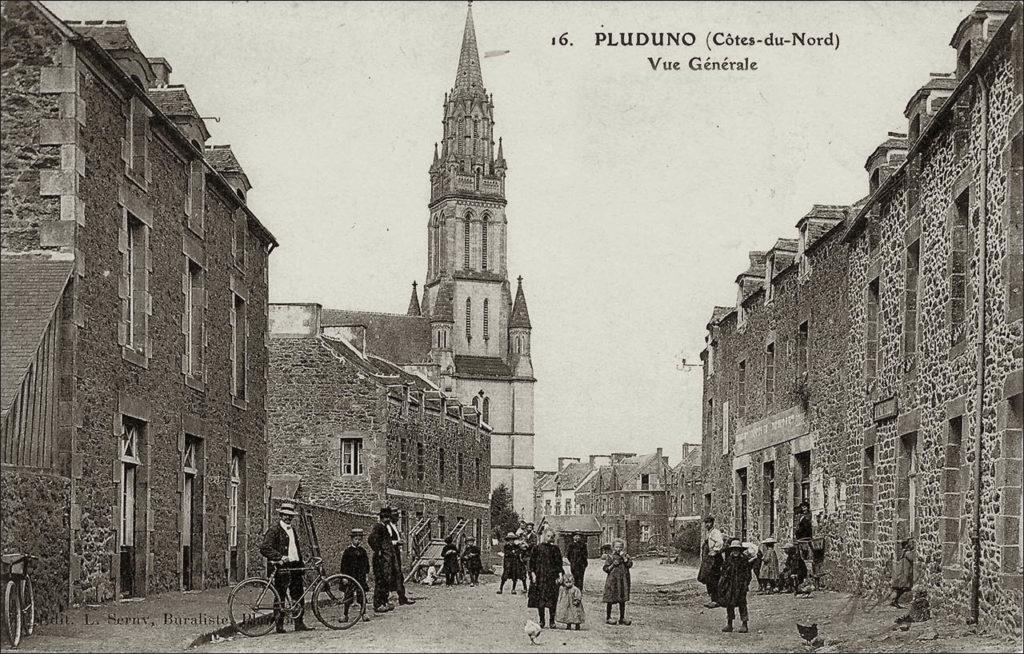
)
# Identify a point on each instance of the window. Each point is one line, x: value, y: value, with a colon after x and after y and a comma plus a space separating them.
x: 558, y: 508
x: 803, y: 477
x: 958, y: 258
x: 190, y: 472
x: 645, y: 533
x: 351, y: 456
x: 194, y: 304
x: 238, y: 347
x: 469, y: 319
x: 769, y: 377
x: 440, y: 465
x: 645, y: 482
x: 954, y: 466
x: 483, y: 241
x: 963, y: 60
x: 568, y: 506
x: 137, y: 283
x: 487, y: 410
x: 459, y: 467
x: 403, y: 458
x: 871, y: 349
x: 130, y: 459
x: 487, y: 329
x: 769, y: 274
x: 741, y: 479
x: 868, y: 530
x: 801, y: 349
x: 420, y: 460
x: 547, y: 507
x: 711, y: 358
x: 768, y: 484
x: 741, y: 388
x: 137, y: 137
x: 235, y: 487
x: 907, y: 487
x: 241, y: 229
x: 644, y: 504
x: 915, y: 128
x: 465, y: 241
x: 910, y: 298
x: 195, y: 204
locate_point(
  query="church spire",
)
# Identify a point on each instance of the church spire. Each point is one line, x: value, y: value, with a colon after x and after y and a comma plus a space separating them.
x: 414, y: 302
x: 468, y: 77
x: 520, y: 314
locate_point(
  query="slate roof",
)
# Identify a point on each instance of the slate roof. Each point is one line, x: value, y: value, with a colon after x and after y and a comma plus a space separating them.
x: 573, y: 474
x: 443, y: 308
x: 395, y: 337
x: 718, y: 314
x: 30, y: 288
x: 174, y: 101
x: 109, y: 34
x: 584, y: 524
x: 493, y: 367
x: 468, y: 77
x: 223, y: 159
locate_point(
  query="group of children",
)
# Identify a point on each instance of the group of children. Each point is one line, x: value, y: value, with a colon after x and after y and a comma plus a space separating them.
x: 778, y: 576
x: 467, y: 561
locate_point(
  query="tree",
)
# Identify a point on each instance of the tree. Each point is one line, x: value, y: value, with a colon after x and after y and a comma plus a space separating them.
x: 503, y: 517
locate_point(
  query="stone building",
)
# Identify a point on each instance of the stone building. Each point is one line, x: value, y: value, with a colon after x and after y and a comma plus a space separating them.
x: 351, y: 431
x: 630, y: 497
x: 468, y: 335
x: 133, y: 322
x: 687, y: 486
x: 556, y: 491
x: 898, y: 397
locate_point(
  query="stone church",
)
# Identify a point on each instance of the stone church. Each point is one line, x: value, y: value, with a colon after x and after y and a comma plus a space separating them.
x: 468, y: 336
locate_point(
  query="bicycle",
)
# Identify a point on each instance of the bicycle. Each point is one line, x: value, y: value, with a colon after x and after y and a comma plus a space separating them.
x: 338, y: 601
x: 19, y: 602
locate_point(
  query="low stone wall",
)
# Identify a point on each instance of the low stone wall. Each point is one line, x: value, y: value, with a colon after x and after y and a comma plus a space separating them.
x: 35, y: 517
x: 332, y: 529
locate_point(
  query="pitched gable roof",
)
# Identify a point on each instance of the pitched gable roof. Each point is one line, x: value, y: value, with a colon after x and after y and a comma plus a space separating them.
x: 30, y: 289
x: 395, y: 337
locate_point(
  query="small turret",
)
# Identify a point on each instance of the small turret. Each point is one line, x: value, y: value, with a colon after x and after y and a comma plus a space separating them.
x: 414, y: 302
x: 519, y: 329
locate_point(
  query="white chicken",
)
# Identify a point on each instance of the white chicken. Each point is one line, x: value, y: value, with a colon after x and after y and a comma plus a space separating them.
x: 532, y: 630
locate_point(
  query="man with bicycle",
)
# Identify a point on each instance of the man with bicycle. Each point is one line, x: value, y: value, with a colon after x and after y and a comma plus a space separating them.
x: 281, y: 549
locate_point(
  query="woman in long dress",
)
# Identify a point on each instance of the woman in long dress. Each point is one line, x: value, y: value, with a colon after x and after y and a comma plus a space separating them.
x: 546, y: 577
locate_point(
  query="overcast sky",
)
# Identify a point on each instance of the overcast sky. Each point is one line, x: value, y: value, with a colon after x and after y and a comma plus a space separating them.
x: 633, y: 196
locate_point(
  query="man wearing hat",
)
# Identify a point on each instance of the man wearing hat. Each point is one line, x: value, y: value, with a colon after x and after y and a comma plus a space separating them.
x: 281, y: 549
x: 387, y: 562
x: 510, y: 563
x: 577, y: 555
x: 356, y: 564
x: 711, y: 560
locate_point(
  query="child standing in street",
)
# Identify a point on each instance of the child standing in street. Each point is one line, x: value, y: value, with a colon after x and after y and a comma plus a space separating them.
x: 471, y: 561
x: 732, y: 588
x: 510, y: 564
x: 768, y: 574
x: 569, y: 609
x: 903, y: 570
x: 356, y: 564
x: 450, y: 554
x: 616, y: 585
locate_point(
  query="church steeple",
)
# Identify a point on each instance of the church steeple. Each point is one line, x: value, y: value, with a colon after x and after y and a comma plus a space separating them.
x: 414, y: 302
x: 468, y: 78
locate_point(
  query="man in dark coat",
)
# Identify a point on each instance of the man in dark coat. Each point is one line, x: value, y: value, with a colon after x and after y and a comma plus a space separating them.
x: 711, y: 560
x: 546, y: 577
x: 385, y: 540
x: 284, y: 558
x: 356, y: 564
x: 733, y: 584
x: 577, y: 555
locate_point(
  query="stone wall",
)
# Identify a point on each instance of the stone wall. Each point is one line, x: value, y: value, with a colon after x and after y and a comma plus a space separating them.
x: 35, y: 518
x: 333, y: 530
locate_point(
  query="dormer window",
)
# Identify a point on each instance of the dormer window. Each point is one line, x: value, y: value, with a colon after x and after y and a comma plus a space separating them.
x: 915, y: 127
x: 769, y: 273
x: 741, y: 314
x: 963, y: 61
x: 875, y: 181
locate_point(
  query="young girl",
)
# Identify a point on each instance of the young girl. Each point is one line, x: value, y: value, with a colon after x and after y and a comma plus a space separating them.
x: 570, y: 604
x: 616, y: 586
x: 768, y: 574
x: 903, y: 570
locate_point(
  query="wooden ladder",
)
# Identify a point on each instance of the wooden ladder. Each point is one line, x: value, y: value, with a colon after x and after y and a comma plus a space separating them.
x: 310, y: 527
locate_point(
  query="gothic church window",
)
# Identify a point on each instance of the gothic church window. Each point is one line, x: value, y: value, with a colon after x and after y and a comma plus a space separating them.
x: 487, y: 334
x: 487, y: 410
x: 483, y: 233
x: 466, y: 243
x: 469, y: 319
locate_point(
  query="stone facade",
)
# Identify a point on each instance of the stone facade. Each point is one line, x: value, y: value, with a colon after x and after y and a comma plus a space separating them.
x: 882, y: 376
x: 163, y: 322
x: 686, y: 482
x: 630, y: 497
x: 356, y: 433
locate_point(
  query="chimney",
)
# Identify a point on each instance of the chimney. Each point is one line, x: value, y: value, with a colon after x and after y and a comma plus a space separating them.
x: 294, y: 320
x: 161, y: 69
x: 619, y: 457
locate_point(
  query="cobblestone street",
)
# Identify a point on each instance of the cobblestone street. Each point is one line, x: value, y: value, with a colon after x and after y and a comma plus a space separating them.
x: 666, y: 611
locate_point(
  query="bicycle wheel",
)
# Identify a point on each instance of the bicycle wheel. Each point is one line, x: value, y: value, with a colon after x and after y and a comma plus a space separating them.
x: 251, y: 606
x: 11, y: 621
x: 28, y: 607
x: 339, y: 602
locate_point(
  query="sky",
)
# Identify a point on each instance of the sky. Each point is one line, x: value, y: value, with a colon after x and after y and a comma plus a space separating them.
x: 633, y: 195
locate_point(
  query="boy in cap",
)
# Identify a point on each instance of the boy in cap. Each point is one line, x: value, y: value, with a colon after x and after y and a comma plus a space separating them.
x: 732, y: 586
x: 356, y: 564
x: 510, y: 563
x: 281, y: 549
x: 471, y: 561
